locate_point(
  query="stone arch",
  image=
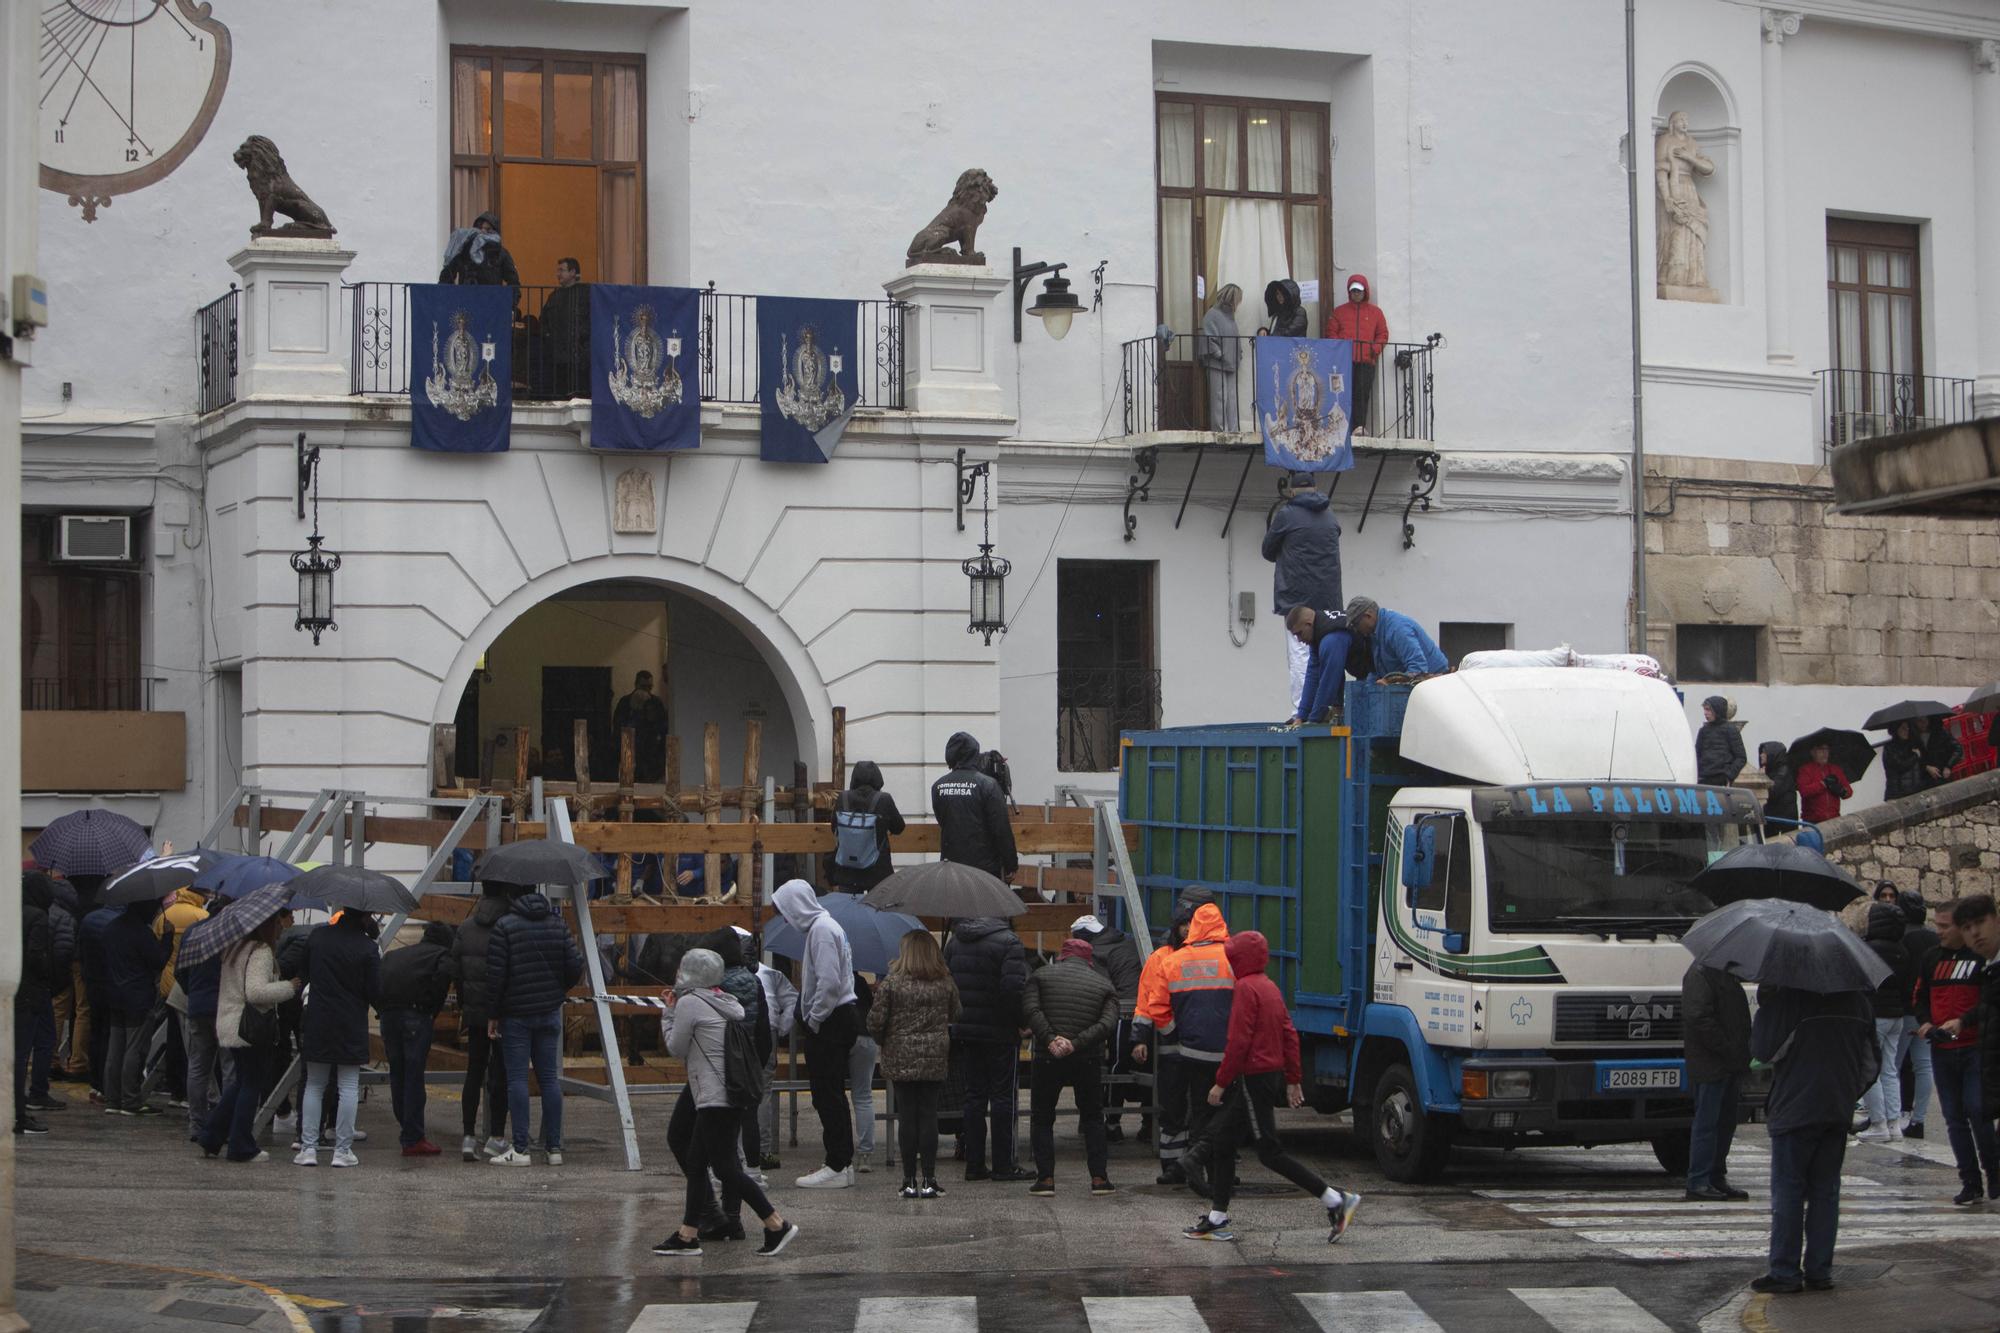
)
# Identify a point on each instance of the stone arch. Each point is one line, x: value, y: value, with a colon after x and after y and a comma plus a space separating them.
x: 791, y: 664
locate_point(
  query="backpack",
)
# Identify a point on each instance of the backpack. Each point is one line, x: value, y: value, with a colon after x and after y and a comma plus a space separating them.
x: 743, y: 1079
x: 994, y: 765
x: 856, y: 845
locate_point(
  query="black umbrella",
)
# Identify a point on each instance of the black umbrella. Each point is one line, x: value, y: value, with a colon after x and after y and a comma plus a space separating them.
x: 353, y: 886
x: 1850, y: 749
x: 152, y: 880
x: 945, y: 888
x: 1884, y: 719
x: 1785, y: 944
x: 540, y: 861
x: 1985, y: 699
x: 1781, y: 870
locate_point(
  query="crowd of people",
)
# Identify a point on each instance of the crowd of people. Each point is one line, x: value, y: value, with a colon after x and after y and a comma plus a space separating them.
x: 1219, y: 345
x: 1807, y: 780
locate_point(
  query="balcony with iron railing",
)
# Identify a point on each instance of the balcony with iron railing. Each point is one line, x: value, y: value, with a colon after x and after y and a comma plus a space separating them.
x: 1862, y: 404
x: 215, y: 352
x: 1167, y: 389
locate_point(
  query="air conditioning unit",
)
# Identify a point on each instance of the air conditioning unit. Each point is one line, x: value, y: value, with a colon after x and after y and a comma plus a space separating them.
x: 94, y: 538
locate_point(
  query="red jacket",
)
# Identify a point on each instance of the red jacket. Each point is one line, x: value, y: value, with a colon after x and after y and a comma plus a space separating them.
x: 1362, y: 322
x: 1262, y: 1039
x: 1948, y: 988
x: 1816, y: 803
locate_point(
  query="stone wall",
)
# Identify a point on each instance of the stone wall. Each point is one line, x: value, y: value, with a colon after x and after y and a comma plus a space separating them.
x: 1944, y: 842
x: 1844, y: 600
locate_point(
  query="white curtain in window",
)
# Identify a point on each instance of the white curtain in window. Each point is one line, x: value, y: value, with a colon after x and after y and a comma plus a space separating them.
x: 1267, y: 151
x: 1246, y: 246
x: 619, y: 114
x: 469, y: 128
x: 1177, y: 274
x: 1218, y: 148
x: 1177, y: 146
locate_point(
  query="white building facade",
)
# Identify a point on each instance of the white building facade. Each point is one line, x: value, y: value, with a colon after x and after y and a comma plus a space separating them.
x: 792, y: 152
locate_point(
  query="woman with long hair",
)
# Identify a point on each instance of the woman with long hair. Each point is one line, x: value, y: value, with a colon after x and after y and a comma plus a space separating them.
x: 249, y: 977
x: 911, y: 1018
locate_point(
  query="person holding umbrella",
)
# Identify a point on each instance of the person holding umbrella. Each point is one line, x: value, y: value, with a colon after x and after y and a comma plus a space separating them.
x: 1782, y: 801
x: 343, y: 967
x: 1941, y: 753
x: 1902, y: 762
x: 1716, y: 1014
x: 1823, y: 785
x: 246, y: 1021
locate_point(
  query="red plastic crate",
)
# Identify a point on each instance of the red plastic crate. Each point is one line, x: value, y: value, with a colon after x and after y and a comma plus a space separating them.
x: 1974, y: 734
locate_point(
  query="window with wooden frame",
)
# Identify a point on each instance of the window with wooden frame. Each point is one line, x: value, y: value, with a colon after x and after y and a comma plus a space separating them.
x: 1874, y: 314
x: 1245, y: 197
x: 554, y: 142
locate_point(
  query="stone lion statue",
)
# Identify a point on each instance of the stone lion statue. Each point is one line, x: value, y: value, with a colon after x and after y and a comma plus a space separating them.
x: 958, y: 222
x: 277, y: 192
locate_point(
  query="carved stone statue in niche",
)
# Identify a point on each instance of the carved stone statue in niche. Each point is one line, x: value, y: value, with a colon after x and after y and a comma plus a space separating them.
x: 633, y: 511
x: 956, y: 224
x: 1678, y: 165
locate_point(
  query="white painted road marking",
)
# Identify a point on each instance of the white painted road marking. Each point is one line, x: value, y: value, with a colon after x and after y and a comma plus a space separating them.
x: 733, y: 1317
x: 1143, y: 1314
x: 934, y: 1314
x: 1375, y: 1311
x: 1588, y: 1310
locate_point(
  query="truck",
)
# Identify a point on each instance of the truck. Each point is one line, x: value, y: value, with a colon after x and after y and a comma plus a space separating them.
x: 1474, y: 890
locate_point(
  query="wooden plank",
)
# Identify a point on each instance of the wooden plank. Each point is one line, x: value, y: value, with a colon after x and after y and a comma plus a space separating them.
x: 450, y: 908
x: 711, y: 804
x: 797, y: 839
x: 580, y: 749
x: 670, y: 790
x: 628, y: 765
x: 747, y: 869
x: 444, y: 754
x: 840, y: 746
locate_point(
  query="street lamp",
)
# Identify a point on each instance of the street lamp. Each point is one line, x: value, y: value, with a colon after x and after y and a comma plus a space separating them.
x: 314, y: 567
x: 987, y: 574
x: 1055, y: 305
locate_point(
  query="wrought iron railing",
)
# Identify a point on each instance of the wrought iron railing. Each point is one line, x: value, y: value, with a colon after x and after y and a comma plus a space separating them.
x: 215, y: 352
x: 1167, y: 388
x: 87, y: 694
x: 1094, y: 705
x: 1861, y: 404
x: 551, y: 347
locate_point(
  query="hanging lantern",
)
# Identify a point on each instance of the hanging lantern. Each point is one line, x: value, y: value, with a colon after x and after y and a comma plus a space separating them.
x: 314, y: 567
x: 987, y: 572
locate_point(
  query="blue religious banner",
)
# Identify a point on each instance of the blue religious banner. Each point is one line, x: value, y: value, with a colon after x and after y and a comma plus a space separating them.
x: 1303, y: 398
x: 461, y: 368
x: 645, y: 367
x: 807, y: 376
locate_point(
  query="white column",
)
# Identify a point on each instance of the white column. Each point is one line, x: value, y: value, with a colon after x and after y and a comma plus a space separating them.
x: 292, y: 342
x: 1778, y: 25
x: 1986, y: 221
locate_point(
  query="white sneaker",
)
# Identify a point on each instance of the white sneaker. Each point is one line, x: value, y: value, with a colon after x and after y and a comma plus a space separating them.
x: 361, y: 1136
x: 555, y: 1157
x: 864, y: 1161
x: 468, y: 1148
x: 285, y: 1124
x: 261, y: 1156
x: 295, y: 1145
x: 826, y: 1178
x: 758, y: 1176
x: 345, y: 1157
x: 494, y: 1147
x: 512, y: 1158
x: 306, y: 1157
x: 1879, y: 1134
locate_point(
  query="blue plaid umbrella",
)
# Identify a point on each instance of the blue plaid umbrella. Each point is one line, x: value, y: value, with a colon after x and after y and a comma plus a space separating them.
x: 90, y: 842
x: 235, y: 877
x: 214, y: 937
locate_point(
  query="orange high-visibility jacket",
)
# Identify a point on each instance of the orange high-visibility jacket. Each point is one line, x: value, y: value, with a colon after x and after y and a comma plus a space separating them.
x: 1185, y: 993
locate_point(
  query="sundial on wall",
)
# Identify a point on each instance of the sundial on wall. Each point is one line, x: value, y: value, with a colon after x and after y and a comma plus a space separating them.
x: 128, y: 88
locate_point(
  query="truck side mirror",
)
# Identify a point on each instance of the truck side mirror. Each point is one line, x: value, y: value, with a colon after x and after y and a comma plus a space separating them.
x: 1419, y: 857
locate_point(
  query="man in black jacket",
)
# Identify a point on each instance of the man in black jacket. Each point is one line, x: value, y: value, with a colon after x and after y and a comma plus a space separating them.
x: 1823, y: 1052
x: 971, y: 811
x: 1884, y: 1102
x: 990, y: 970
x: 415, y: 980
x: 1718, y: 746
x: 531, y: 962
x: 485, y: 1069
x: 1072, y: 1011
x: 1716, y: 1017
x: 1941, y: 753
x: 1115, y: 957
x: 38, y: 969
x: 1303, y: 541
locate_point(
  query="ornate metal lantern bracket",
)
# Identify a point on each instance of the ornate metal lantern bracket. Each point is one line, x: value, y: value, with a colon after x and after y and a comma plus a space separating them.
x: 1420, y: 495
x: 1139, y: 486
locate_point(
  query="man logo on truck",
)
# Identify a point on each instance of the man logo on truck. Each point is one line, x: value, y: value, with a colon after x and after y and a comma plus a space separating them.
x: 1634, y: 1013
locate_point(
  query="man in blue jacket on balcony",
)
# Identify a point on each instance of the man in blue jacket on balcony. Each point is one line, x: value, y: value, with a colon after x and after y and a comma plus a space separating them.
x: 1398, y: 644
x: 1303, y: 541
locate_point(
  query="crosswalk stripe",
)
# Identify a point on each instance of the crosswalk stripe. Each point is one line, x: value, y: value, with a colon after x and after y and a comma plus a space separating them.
x: 1376, y: 1311
x: 1699, y: 1214
x: 1143, y: 1314
x: 1850, y: 1186
x: 938, y: 1314
x: 1588, y: 1310
x: 727, y: 1317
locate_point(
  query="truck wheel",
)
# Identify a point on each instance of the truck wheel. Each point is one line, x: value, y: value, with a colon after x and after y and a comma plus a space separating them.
x: 1410, y: 1145
x: 1672, y: 1150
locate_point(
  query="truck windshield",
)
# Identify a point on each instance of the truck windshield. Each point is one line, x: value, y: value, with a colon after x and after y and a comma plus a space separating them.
x: 1595, y: 875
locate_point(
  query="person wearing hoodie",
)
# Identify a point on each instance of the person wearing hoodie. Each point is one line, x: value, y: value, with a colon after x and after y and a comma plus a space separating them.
x: 475, y: 257
x: 832, y: 1021
x: 911, y: 1018
x: 1947, y: 1005
x: 1186, y: 1000
x: 706, y: 1129
x: 1303, y: 543
x: 1219, y: 351
x: 741, y: 984
x: 31, y: 995
x: 183, y: 908
x: 1941, y: 753
x: 133, y: 957
x: 343, y: 971
x: 531, y: 962
x: 485, y: 1065
x: 415, y: 980
x: 1823, y: 785
x: 1362, y: 323
x: 1902, y: 763
x: 1115, y: 957
x: 1258, y: 1072
x: 990, y: 969
x: 1333, y: 653
x: 1287, y: 314
x: 1718, y: 746
x: 1072, y: 1011
x: 864, y: 820
x: 974, y: 828
x: 1782, y: 802
x: 1883, y: 1103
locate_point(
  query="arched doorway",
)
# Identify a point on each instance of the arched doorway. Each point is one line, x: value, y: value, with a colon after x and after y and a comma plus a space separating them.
x: 569, y: 648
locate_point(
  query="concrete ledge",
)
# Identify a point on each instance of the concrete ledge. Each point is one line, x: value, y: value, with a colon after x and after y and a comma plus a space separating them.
x: 1925, y: 807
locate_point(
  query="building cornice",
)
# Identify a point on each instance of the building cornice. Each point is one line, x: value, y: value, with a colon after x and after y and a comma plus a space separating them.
x: 1964, y: 21
x: 1723, y: 377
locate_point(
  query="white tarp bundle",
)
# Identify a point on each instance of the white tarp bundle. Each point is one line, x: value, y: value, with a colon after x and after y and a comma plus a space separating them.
x: 1563, y: 656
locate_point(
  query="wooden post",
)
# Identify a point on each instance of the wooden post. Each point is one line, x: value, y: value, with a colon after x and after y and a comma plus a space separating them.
x: 840, y: 748
x: 580, y: 747
x: 753, y: 794
x: 802, y: 813
x: 521, y: 773
x: 627, y: 766
x: 711, y: 805
x: 444, y: 756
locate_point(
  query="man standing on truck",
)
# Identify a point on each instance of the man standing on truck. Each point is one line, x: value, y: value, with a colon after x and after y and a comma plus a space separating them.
x: 1303, y: 541
x: 1398, y: 644
x: 1334, y: 653
x: 1185, y: 998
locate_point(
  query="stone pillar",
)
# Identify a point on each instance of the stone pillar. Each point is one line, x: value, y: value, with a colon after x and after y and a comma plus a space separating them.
x: 951, y: 338
x: 1778, y: 25
x: 1986, y: 221
x: 291, y: 339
